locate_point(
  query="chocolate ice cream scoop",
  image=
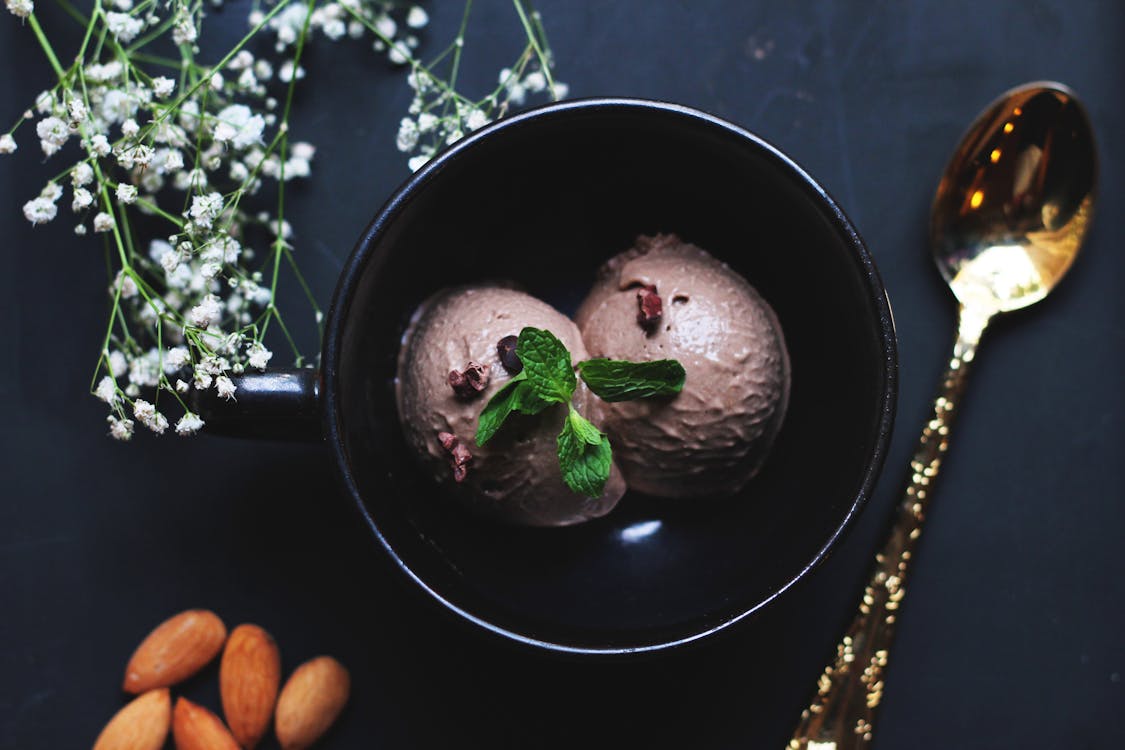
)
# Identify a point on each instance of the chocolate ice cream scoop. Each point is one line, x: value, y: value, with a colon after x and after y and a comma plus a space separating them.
x: 453, y: 345
x: 665, y: 298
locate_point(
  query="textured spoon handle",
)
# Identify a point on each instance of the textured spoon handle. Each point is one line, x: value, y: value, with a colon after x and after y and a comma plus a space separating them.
x: 841, y: 713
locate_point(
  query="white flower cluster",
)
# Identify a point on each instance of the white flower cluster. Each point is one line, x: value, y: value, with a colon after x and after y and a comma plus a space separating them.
x: 195, y: 148
x: 439, y: 117
x: 20, y: 8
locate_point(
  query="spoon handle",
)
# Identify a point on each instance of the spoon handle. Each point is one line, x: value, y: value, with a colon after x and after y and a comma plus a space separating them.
x: 841, y: 713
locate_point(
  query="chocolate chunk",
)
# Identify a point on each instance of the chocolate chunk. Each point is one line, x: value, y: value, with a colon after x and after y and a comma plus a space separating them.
x: 471, y: 381
x: 459, y: 455
x: 649, y: 308
x: 506, y: 350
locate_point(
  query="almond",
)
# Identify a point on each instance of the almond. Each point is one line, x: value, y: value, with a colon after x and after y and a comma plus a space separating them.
x: 310, y: 701
x: 196, y: 728
x: 141, y: 725
x: 178, y: 648
x: 249, y: 678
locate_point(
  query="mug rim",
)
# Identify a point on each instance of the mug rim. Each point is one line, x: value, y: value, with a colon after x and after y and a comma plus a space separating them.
x: 363, y: 252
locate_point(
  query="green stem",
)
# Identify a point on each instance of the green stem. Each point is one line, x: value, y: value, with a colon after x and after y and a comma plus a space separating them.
x: 533, y: 40
x: 279, y: 241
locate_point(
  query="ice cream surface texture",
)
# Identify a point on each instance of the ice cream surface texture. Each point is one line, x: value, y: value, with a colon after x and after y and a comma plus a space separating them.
x: 515, y: 477
x: 665, y: 298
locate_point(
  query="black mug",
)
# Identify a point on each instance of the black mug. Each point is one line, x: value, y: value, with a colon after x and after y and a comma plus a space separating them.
x: 543, y: 198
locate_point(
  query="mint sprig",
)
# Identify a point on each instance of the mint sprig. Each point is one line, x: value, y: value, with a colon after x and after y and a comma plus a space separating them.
x: 585, y: 455
x: 518, y: 396
x: 546, y: 363
x: 547, y: 378
x: 621, y: 380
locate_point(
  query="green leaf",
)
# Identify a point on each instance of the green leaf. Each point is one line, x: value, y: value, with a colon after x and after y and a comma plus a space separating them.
x: 618, y: 380
x: 585, y: 456
x: 546, y: 363
x: 516, y: 396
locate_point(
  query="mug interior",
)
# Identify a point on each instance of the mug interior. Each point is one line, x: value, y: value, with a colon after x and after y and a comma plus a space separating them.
x: 543, y: 199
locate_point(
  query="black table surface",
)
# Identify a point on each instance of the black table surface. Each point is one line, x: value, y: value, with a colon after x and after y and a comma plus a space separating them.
x: 1012, y: 635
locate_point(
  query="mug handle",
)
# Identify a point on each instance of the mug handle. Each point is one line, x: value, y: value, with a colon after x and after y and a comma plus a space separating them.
x: 281, y: 404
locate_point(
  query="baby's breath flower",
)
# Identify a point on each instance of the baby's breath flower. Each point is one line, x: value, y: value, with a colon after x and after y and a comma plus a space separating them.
x: 107, y: 390
x: 535, y: 81
x: 117, y: 364
x: 258, y: 355
x: 205, y: 209
x: 158, y: 423
x: 130, y: 128
x: 117, y: 105
x: 386, y: 26
x: 123, y: 26
x: 120, y: 429
x: 103, y: 222
x: 83, y: 199
x: 189, y: 424
x: 416, y: 17
x: 182, y: 386
x: 21, y: 8
x: 264, y: 72
x: 51, y: 191
x: 143, y: 410
x: 417, y: 162
x: 184, y: 31
x: 128, y: 288
x: 407, y: 135
x: 476, y: 120
x: 82, y: 174
x: 40, y: 210
x: 53, y: 133
x: 7, y: 144
x: 147, y: 414
x: 126, y: 193
x: 45, y: 102
x: 176, y: 358
x: 206, y: 312
x: 238, y: 126
x: 399, y: 54
x: 173, y: 160
x: 288, y: 72
x: 98, y: 73
x: 99, y: 145
x: 163, y: 86
x: 225, y: 387
x: 77, y: 110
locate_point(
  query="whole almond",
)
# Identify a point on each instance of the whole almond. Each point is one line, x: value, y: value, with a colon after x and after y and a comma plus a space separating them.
x: 141, y: 725
x: 310, y: 701
x: 196, y: 728
x: 178, y: 648
x: 249, y: 678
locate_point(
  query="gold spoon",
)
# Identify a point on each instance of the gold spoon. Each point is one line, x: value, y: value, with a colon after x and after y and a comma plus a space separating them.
x: 1010, y: 213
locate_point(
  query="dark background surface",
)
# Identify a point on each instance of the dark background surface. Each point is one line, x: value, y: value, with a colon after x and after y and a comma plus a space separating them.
x: 1012, y: 634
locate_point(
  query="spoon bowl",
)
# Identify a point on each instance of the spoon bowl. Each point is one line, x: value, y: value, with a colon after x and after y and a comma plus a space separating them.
x: 1016, y: 200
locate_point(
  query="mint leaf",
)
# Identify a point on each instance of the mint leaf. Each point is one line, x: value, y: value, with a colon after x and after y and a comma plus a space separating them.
x: 618, y: 380
x: 584, y: 456
x: 516, y: 396
x: 546, y: 363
